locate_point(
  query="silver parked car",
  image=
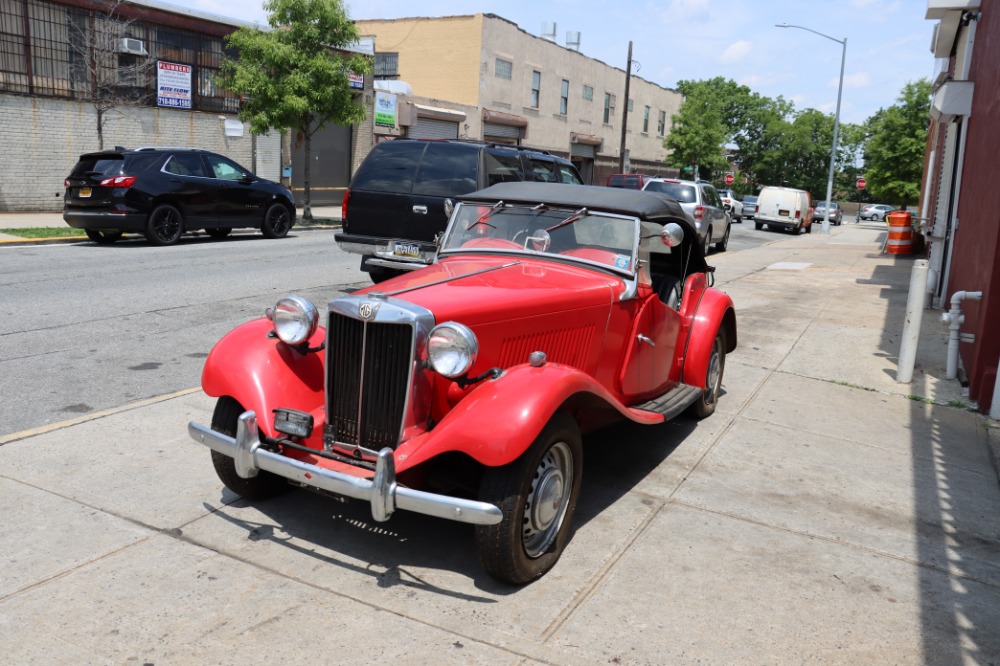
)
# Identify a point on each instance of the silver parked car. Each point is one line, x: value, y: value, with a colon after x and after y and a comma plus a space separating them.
x: 875, y: 211
x: 702, y: 203
x: 836, y: 214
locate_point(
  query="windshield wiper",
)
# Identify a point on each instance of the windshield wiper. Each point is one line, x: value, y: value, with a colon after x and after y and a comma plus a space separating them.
x: 575, y: 217
x: 487, y: 215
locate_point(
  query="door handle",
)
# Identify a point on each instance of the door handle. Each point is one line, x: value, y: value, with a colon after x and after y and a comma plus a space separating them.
x: 420, y: 210
x: 647, y: 340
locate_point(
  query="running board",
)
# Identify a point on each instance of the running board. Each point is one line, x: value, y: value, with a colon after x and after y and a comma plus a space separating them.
x: 673, y: 402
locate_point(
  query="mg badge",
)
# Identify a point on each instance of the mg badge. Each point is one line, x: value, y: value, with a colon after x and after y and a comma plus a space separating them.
x: 366, y: 311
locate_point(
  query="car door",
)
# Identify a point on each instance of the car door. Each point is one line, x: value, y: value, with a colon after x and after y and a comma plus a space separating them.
x: 241, y: 201
x: 714, y: 210
x: 650, y: 354
x: 191, y: 188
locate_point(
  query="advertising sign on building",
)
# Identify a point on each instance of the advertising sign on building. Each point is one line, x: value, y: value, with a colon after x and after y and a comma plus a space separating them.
x: 385, y: 109
x: 357, y: 80
x: 173, y: 85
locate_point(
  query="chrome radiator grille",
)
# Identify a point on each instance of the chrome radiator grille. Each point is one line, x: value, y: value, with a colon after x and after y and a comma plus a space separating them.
x: 368, y: 366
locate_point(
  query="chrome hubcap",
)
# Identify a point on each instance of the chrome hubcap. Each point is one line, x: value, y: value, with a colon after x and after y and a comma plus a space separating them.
x: 548, y: 499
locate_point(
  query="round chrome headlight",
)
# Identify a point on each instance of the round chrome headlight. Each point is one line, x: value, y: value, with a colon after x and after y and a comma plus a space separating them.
x: 452, y: 349
x: 295, y: 319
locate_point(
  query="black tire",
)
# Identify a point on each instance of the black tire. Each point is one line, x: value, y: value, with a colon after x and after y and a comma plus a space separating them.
x: 219, y: 233
x: 277, y: 221
x: 165, y: 225
x: 103, y: 236
x: 758, y: 225
x: 709, y: 398
x: 809, y: 229
x: 262, y: 486
x: 724, y: 243
x: 707, y: 245
x: 382, y: 274
x: 532, y: 535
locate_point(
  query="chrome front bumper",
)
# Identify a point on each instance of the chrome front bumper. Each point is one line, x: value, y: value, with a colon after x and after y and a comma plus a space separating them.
x: 382, y: 490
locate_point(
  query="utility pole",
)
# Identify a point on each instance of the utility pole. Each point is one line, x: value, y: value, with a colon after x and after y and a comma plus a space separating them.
x: 628, y: 77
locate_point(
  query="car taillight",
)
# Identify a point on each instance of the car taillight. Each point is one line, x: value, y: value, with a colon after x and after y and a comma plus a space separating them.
x: 343, y: 207
x: 699, y: 212
x: 66, y: 183
x: 119, y: 181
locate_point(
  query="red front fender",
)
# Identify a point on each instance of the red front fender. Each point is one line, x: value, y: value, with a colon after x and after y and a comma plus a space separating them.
x: 257, y: 370
x: 499, y: 419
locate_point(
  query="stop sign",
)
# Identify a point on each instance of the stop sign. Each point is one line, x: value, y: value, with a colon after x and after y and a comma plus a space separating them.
x: 730, y: 179
x: 862, y: 183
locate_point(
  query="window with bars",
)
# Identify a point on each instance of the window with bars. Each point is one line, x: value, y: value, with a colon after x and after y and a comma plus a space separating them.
x: 609, y: 108
x: 536, y: 88
x: 503, y: 69
x: 386, y: 66
x: 52, y: 50
x: 564, y: 98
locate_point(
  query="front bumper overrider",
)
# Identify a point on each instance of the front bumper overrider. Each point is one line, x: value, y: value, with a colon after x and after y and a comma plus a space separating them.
x: 381, y: 490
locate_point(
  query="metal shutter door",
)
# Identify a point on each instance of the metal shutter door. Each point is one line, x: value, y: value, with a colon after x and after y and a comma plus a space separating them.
x: 429, y: 128
x: 504, y: 131
x: 582, y: 150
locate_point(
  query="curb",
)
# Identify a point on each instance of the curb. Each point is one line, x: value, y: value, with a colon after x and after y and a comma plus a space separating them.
x: 4, y: 242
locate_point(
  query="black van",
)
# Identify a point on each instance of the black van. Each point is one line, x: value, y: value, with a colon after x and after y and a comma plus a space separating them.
x: 395, y: 205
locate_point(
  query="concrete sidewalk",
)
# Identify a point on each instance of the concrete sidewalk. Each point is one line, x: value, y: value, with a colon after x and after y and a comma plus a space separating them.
x: 825, y: 514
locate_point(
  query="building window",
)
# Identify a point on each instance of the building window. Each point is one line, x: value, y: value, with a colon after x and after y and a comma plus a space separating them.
x: 536, y: 87
x: 645, y: 119
x: 503, y: 69
x: 564, y: 98
x: 661, y: 124
x: 588, y: 93
x: 386, y: 66
x: 609, y: 108
x: 631, y: 103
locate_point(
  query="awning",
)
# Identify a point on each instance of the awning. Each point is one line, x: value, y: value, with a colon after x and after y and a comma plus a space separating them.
x: 501, y: 118
x: 588, y: 139
x: 438, y: 113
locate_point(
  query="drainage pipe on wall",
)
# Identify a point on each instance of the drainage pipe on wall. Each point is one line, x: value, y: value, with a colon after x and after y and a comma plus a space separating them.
x: 954, y: 318
x: 911, y: 324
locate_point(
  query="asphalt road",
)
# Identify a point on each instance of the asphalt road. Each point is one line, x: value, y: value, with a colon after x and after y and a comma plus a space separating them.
x: 88, y: 327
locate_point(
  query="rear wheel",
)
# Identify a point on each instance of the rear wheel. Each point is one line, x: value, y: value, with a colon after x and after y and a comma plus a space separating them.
x: 707, y: 245
x: 758, y: 225
x: 277, y: 222
x: 264, y: 485
x: 103, y: 236
x: 537, y: 494
x: 709, y: 398
x: 809, y: 228
x: 219, y: 233
x: 165, y: 225
x: 724, y: 243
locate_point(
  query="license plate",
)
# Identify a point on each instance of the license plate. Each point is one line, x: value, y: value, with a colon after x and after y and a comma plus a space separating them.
x: 409, y: 250
x: 783, y: 213
x: 84, y: 193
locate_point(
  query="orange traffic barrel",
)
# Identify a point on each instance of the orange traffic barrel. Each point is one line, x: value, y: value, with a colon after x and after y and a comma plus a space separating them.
x: 900, y: 232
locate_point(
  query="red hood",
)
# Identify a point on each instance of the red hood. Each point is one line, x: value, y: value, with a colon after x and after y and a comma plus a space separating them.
x: 528, y: 288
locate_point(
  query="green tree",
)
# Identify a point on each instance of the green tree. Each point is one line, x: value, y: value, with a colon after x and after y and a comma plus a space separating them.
x: 897, y: 139
x: 697, y: 134
x: 296, y: 74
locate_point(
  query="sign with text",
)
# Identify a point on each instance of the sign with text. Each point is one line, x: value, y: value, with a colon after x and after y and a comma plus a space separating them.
x: 385, y: 109
x: 357, y: 81
x: 173, y: 85
x: 862, y: 183
x: 730, y: 178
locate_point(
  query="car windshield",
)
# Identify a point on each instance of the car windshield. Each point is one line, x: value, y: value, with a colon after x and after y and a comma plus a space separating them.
x: 679, y: 191
x: 603, y: 239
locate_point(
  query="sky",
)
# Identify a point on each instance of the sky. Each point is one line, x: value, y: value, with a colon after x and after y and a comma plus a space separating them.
x: 888, y: 41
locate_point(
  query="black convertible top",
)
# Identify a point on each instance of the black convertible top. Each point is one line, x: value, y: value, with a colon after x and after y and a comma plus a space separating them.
x: 644, y: 205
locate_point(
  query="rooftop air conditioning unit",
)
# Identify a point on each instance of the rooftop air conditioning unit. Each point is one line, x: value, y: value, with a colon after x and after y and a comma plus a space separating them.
x: 133, y: 46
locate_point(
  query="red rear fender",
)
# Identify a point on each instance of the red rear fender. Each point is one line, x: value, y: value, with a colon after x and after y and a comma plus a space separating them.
x: 715, y: 311
x: 263, y: 373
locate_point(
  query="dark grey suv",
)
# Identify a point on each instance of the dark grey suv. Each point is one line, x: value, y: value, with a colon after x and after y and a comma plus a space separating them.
x: 164, y: 192
x: 399, y: 199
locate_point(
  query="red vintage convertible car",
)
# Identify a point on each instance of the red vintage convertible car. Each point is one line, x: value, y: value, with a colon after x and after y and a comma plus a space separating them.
x: 461, y: 390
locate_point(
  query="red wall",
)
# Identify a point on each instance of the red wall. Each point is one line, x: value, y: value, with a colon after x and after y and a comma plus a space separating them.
x: 975, y: 262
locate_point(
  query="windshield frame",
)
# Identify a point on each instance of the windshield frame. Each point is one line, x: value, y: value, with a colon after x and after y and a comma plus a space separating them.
x: 458, y: 223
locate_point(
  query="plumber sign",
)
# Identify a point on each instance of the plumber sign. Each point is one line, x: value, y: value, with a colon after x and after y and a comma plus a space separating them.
x: 173, y: 85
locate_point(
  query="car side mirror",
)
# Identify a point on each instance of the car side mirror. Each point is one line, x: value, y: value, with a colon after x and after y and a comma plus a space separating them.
x: 672, y: 234
x: 449, y: 207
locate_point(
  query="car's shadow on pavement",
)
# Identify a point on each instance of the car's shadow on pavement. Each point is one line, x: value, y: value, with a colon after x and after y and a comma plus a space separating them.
x: 341, y: 532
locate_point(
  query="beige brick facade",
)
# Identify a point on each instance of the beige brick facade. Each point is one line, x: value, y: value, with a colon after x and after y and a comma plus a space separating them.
x: 485, y: 63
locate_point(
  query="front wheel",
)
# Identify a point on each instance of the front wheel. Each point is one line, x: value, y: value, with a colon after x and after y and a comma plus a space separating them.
x: 103, y: 236
x: 537, y: 494
x: 709, y: 398
x: 165, y: 225
x: 277, y: 222
x: 264, y: 485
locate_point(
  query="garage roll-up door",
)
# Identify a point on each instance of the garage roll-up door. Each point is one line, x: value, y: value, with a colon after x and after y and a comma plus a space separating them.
x: 431, y: 128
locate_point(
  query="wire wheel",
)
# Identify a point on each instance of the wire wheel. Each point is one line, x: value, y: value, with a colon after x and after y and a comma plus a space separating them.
x: 708, y: 400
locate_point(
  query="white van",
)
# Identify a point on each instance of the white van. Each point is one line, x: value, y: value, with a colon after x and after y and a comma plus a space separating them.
x: 784, y: 208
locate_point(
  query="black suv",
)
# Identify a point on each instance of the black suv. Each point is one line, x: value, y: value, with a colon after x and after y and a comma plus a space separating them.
x: 164, y: 192
x: 399, y: 199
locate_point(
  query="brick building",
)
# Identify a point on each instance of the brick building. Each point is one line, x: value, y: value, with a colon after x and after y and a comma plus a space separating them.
x: 482, y: 77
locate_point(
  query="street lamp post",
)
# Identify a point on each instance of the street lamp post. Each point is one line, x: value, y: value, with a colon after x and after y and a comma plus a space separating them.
x: 836, y: 117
